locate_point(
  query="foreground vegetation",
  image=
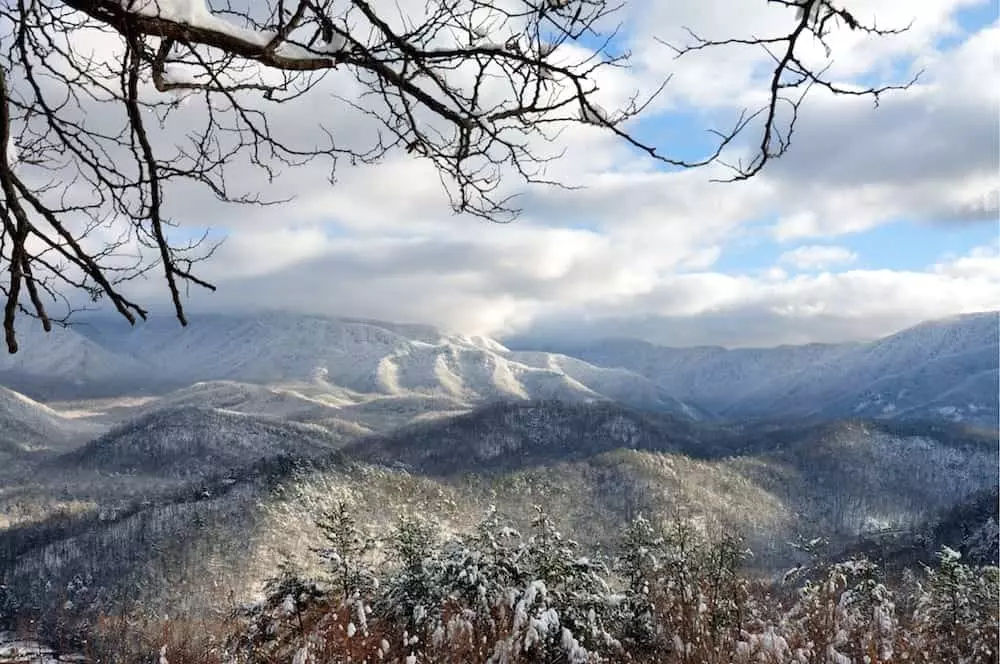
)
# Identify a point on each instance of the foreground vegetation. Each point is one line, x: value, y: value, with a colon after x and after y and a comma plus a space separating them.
x: 672, y: 594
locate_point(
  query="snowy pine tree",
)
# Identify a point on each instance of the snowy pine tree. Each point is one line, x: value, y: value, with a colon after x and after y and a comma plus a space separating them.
x: 957, y: 613
x: 346, y: 553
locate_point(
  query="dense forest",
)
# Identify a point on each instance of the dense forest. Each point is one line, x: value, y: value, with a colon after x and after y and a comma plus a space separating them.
x: 671, y: 593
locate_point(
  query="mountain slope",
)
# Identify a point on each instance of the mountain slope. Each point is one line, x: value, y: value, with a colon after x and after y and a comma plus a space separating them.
x: 285, y: 402
x: 349, y: 357
x: 835, y: 480
x: 26, y: 425
x: 854, y: 476
x: 190, y: 441
x: 65, y: 363
x: 940, y: 369
x: 508, y: 436
x: 906, y: 372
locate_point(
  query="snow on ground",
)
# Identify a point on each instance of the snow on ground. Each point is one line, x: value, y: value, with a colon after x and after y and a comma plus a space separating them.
x: 20, y: 651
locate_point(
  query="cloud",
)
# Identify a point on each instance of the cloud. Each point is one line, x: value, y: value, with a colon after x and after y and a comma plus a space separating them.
x: 575, y: 283
x: 774, y: 308
x: 817, y: 256
x: 636, y: 250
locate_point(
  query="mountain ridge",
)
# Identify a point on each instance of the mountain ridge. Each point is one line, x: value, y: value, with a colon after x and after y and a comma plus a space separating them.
x: 945, y: 369
x: 824, y: 381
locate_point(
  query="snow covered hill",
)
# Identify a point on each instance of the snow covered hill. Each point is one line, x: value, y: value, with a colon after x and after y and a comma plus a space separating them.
x: 943, y: 369
x: 165, y: 502
x: 66, y: 363
x: 190, y: 441
x: 283, y: 402
x: 506, y: 436
x: 26, y: 425
x: 845, y: 477
x: 348, y: 357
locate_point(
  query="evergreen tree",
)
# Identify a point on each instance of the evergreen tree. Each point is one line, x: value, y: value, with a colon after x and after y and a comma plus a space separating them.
x: 346, y: 553
x: 957, y: 614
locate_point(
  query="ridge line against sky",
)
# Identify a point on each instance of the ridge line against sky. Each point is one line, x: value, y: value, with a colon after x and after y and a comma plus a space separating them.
x: 874, y: 221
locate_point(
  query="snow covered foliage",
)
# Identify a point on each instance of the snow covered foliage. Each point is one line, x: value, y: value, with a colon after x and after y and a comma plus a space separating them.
x: 497, y: 596
x: 845, y: 616
x: 346, y: 553
x: 956, y: 614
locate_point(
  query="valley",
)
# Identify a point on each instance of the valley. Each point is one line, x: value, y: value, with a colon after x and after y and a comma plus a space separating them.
x: 186, y: 495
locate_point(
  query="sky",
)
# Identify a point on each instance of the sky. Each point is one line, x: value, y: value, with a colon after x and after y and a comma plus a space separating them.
x: 876, y: 219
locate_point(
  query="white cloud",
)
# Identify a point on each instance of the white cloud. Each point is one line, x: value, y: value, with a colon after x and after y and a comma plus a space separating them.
x: 635, y: 251
x: 817, y: 256
x: 775, y: 308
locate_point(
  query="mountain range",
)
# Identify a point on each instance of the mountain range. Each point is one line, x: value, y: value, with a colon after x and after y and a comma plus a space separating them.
x: 944, y: 369
x: 186, y: 464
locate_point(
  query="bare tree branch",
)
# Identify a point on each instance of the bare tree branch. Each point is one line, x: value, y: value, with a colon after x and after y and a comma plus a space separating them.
x: 479, y: 88
x: 791, y: 79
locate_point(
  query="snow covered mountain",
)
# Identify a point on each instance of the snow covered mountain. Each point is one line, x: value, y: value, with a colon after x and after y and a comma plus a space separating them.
x: 943, y: 369
x: 26, y: 425
x: 947, y: 368
x: 348, y: 357
x: 380, y: 375
x: 64, y: 362
x: 188, y: 441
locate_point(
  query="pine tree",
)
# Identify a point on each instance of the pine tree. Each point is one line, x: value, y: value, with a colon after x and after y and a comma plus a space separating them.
x: 957, y: 615
x: 414, y: 593
x: 346, y: 554
x: 638, y: 565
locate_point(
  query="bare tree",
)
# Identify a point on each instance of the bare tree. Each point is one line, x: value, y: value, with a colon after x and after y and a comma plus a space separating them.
x: 480, y: 88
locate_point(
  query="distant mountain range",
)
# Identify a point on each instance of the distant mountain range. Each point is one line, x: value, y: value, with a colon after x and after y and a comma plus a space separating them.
x: 108, y: 358
x: 946, y: 369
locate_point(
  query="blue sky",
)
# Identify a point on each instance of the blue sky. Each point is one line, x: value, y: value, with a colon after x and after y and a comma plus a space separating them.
x: 899, y: 243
